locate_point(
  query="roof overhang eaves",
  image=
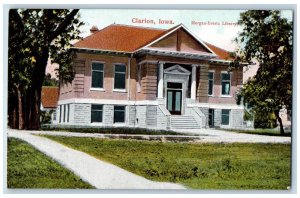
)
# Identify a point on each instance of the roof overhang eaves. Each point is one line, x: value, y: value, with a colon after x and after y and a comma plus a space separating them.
x: 177, y: 54
x: 227, y: 62
x: 220, y: 61
x: 104, y: 51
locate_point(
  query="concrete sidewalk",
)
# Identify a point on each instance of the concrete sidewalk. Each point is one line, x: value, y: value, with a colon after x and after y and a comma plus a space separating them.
x: 200, y: 136
x: 219, y: 136
x: 100, y: 174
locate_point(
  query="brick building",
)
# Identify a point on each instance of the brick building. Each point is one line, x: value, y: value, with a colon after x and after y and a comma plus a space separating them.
x: 150, y: 78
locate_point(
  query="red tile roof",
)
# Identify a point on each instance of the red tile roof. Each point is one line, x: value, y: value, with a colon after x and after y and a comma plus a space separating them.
x: 125, y: 38
x: 49, y: 97
x: 121, y: 38
x: 222, y: 54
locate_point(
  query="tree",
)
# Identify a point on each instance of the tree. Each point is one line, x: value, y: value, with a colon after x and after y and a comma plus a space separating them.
x: 34, y: 36
x: 267, y: 37
x: 49, y: 81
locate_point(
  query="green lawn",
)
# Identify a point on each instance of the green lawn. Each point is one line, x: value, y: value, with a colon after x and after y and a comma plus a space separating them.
x: 269, y: 132
x: 198, y: 166
x: 29, y: 168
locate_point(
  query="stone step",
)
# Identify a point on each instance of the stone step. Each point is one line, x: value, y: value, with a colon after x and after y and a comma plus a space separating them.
x: 184, y: 122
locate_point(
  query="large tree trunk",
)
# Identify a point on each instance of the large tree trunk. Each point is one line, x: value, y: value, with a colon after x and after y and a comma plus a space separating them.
x: 13, y: 107
x: 21, y: 113
x: 12, y: 111
x: 279, y: 120
x: 34, y: 108
x: 36, y: 89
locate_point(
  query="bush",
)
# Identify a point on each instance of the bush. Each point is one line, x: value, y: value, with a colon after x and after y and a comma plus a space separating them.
x: 265, y: 120
x: 46, y: 117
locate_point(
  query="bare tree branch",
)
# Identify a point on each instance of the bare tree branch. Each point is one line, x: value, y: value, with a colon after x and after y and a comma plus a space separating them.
x: 63, y: 25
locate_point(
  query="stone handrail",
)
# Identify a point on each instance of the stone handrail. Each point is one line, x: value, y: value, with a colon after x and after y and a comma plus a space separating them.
x: 199, y: 116
x: 166, y: 114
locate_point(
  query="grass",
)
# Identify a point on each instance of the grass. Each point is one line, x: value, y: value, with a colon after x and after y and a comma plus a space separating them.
x: 29, y: 168
x: 110, y: 130
x: 269, y: 132
x: 197, y: 166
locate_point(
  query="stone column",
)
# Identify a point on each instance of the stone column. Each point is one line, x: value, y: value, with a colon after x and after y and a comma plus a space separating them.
x: 193, y: 84
x: 160, y: 86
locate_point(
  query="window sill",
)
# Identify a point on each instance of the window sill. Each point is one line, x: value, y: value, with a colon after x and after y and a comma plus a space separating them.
x: 97, y: 89
x: 225, y: 126
x: 119, y: 124
x: 210, y: 95
x: 119, y: 90
x: 226, y: 96
x: 96, y: 124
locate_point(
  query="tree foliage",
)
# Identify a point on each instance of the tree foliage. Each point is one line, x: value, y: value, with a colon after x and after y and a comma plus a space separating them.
x: 268, y: 38
x: 34, y: 36
x: 49, y: 81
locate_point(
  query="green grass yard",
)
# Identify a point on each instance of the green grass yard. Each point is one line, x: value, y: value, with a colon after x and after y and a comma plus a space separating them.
x: 197, y: 166
x: 29, y: 168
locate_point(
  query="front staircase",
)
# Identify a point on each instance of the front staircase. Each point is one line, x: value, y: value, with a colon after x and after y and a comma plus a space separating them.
x: 183, y: 122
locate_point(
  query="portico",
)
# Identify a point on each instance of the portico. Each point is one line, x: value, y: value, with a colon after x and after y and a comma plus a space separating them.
x: 174, y: 83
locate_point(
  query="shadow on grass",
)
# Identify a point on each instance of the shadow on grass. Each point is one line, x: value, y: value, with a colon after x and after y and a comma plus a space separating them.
x: 112, y: 130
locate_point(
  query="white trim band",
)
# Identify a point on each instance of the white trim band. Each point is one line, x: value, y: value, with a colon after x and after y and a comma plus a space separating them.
x: 107, y: 101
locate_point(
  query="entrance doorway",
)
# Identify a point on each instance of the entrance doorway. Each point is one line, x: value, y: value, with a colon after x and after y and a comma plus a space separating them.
x: 174, y: 98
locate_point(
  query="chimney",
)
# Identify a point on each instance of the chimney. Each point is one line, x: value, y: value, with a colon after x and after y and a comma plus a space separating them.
x: 94, y: 29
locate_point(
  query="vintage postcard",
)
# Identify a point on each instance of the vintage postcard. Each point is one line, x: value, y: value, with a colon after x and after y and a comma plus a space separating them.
x: 149, y: 99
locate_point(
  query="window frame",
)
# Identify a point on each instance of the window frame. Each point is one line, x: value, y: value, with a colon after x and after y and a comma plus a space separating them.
x: 118, y: 89
x: 119, y: 123
x: 213, y: 81
x: 103, y: 69
x: 221, y: 80
x: 229, y: 120
x: 97, y: 110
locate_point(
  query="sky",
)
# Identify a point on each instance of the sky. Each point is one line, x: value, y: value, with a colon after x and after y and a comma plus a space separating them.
x: 218, y: 27
x: 208, y: 25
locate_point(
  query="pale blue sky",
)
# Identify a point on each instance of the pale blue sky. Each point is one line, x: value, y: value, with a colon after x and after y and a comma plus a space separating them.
x: 217, y: 34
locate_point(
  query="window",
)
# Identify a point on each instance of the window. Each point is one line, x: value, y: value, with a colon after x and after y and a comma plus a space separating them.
x: 96, y: 113
x: 68, y: 115
x: 119, y: 114
x: 54, y: 115
x: 139, y: 73
x: 210, y: 83
x: 225, y: 117
x: 120, y: 76
x: 97, y: 75
x: 64, y: 118
x: 225, y: 78
x: 60, y: 109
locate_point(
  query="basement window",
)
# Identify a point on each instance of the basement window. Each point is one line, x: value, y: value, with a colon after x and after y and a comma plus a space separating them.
x: 119, y: 114
x: 225, y: 117
x: 96, y: 113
